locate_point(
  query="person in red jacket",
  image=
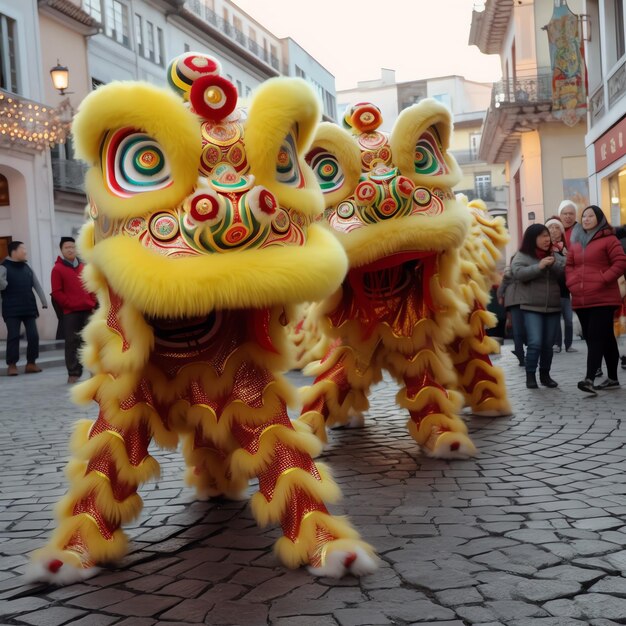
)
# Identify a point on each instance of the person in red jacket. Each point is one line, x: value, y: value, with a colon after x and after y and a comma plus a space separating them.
x: 75, y: 301
x: 595, y: 260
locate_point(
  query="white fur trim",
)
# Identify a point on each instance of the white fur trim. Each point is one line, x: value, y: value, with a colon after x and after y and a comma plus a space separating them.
x: 335, y: 568
x: 37, y: 571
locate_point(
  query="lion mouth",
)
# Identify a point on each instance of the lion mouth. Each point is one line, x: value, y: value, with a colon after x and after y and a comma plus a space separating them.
x: 182, y: 335
x: 388, y: 277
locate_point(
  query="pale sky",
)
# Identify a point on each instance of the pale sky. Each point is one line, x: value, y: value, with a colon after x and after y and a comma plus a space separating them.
x: 353, y: 39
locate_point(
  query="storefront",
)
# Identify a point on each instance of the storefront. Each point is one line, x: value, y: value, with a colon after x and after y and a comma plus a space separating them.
x: 610, y: 174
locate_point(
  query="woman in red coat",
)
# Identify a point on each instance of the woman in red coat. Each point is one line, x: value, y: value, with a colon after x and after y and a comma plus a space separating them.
x: 595, y: 261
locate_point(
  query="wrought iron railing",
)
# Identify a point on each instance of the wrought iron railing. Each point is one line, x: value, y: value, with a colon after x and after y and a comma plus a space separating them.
x: 68, y: 175
x: 199, y: 8
x: 463, y: 157
x: 522, y: 90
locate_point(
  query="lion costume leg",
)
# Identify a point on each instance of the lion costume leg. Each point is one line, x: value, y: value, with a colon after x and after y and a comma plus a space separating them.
x: 108, y: 466
x: 481, y: 383
x: 434, y: 421
x: 292, y: 488
x: 339, y: 392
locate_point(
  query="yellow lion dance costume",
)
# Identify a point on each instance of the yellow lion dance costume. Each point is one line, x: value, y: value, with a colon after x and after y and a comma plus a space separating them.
x: 413, y: 302
x: 202, y: 236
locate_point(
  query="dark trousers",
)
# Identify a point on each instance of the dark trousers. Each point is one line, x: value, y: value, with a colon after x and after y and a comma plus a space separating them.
x: 13, y: 338
x: 541, y: 331
x: 73, y: 324
x: 519, y: 330
x: 597, y: 326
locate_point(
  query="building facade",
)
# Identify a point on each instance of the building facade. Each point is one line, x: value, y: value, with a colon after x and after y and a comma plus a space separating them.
x: 605, y: 140
x: 542, y: 148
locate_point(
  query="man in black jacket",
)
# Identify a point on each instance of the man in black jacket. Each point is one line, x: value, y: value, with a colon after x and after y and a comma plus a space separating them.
x: 17, y: 281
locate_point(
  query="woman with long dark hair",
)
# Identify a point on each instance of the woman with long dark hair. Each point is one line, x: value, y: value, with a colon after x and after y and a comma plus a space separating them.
x: 537, y: 271
x: 595, y: 261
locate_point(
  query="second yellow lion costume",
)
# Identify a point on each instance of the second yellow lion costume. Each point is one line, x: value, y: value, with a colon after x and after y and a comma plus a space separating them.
x: 412, y: 303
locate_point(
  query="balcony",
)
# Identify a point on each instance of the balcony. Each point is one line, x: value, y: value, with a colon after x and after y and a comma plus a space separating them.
x: 200, y: 10
x: 32, y: 125
x: 518, y: 105
x: 69, y: 175
x: 523, y: 91
x: 464, y: 157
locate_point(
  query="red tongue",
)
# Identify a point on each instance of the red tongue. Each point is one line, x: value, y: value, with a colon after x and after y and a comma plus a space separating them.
x: 55, y: 566
x: 350, y: 558
x: 455, y: 446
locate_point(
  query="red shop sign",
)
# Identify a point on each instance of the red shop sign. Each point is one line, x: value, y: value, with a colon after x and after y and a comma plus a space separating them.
x: 611, y: 146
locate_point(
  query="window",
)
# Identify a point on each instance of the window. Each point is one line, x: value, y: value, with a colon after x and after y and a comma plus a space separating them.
x: 482, y: 185
x: 95, y: 83
x: 186, y: 47
x: 474, y: 139
x: 300, y: 72
x: 116, y: 21
x: 94, y: 8
x: 8, y: 56
x: 619, y: 28
x: 239, y: 89
x: 150, y: 29
x: 4, y: 191
x: 248, y: 90
x: 139, y: 33
x: 160, y: 51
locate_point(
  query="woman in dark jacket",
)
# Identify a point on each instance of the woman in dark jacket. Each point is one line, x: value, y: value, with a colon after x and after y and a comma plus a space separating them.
x: 537, y: 272
x: 595, y: 261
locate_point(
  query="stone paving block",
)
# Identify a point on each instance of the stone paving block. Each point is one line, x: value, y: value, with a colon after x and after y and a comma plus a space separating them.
x: 146, y: 605
x: 306, y: 620
x: 475, y: 614
x: 101, y: 598
x: 95, y: 619
x: 563, y: 608
x: 508, y: 610
x: 613, y: 585
x: 22, y: 605
x: 546, y: 621
x: 600, y: 605
x: 433, y: 578
x: 51, y: 616
x: 528, y: 535
x: 237, y: 613
x: 543, y: 590
x: 189, y: 610
x: 456, y: 597
x: 570, y: 573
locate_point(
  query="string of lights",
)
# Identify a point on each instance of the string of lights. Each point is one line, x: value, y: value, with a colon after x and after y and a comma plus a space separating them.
x: 31, y: 124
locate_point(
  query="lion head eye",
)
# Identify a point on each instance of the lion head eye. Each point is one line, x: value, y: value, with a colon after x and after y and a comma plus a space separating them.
x: 133, y: 163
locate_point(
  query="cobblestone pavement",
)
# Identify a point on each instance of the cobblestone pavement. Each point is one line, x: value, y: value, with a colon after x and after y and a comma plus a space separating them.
x: 531, y: 531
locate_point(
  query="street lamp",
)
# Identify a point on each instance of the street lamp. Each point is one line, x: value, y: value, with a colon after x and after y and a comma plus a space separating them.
x: 60, y: 77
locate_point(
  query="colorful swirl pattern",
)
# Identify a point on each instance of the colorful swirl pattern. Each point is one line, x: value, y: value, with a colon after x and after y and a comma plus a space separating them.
x: 326, y: 168
x: 429, y: 159
x: 133, y: 162
x: 188, y: 67
x: 288, y: 169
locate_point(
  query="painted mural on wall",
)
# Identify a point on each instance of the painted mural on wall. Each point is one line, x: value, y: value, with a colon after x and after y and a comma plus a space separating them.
x: 577, y: 190
x: 569, y: 75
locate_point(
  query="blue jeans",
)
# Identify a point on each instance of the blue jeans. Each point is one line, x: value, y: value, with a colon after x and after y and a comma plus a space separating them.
x: 541, y: 333
x: 568, y: 323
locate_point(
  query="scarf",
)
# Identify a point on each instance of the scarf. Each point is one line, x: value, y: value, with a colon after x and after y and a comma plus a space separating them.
x: 541, y: 254
x: 582, y: 236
